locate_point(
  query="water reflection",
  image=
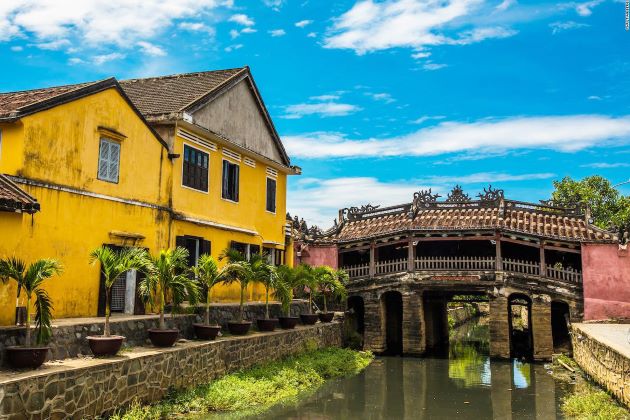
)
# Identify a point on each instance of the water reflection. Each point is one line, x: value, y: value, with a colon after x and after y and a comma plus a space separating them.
x: 466, y: 384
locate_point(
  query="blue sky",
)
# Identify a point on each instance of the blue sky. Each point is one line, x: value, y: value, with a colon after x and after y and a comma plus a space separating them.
x: 373, y: 99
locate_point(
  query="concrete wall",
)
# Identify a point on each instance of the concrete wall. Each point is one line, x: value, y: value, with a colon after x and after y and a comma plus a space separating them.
x: 315, y: 254
x: 606, y: 273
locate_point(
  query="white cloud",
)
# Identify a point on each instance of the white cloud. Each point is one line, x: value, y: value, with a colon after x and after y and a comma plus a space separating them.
x: 370, y: 26
x: 242, y: 19
x: 151, y: 49
x: 277, y: 32
x: 303, y: 23
x: 105, y: 58
x: 585, y: 8
x: 421, y: 54
x: 196, y: 27
x: 234, y: 34
x: 17, y: 48
x: 329, y: 97
x: 96, y: 23
x: 248, y: 30
x: 234, y: 47
x: 562, y: 133
x: 433, y: 66
x: 425, y: 118
x: 505, y: 4
x: 312, y: 34
x: 383, y: 97
x: 606, y: 165
x: 594, y: 98
x: 53, y: 45
x: 75, y: 60
x: 323, y: 109
x: 275, y: 4
x: 557, y: 27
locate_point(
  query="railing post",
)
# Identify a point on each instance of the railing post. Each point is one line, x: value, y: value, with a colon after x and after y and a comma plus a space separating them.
x: 372, y: 259
x: 543, y: 264
x: 499, y: 262
x: 410, y: 256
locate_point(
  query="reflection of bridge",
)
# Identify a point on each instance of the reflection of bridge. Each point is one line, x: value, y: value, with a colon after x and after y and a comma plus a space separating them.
x: 405, y: 262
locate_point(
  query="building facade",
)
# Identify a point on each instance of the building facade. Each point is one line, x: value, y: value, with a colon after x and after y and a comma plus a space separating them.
x: 190, y: 160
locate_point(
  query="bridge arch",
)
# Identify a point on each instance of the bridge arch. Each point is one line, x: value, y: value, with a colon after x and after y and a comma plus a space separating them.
x: 356, y: 306
x: 391, y: 322
x: 520, y: 326
x: 560, y: 316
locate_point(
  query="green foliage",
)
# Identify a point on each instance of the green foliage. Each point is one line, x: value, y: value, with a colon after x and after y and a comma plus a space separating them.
x: 207, y: 275
x: 286, y: 282
x: 593, y: 404
x: 330, y: 283
x: 608, y: 207
x: 259, y: 388
x: 30, y: 280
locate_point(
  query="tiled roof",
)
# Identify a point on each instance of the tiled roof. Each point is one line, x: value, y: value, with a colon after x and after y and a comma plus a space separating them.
x: 538, y: 220
x: 11, y: 103
x: 13, y: 199
x: 158, y: 97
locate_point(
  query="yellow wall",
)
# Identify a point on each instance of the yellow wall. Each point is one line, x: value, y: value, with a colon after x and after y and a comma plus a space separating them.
x: 60, y: 146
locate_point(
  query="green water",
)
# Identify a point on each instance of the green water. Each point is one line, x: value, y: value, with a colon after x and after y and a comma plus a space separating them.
x: 466, y: 384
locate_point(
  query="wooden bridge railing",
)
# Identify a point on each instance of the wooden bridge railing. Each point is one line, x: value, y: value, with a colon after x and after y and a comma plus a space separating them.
x: 464, y: 264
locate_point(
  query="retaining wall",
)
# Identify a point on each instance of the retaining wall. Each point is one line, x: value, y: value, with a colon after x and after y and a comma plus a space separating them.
x: 88, y: 387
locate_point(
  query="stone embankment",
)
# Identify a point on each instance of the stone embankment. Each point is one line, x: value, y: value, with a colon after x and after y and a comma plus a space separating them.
x: 465, y: 312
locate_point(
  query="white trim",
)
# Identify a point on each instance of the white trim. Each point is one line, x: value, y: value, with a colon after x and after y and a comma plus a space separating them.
x: 275, y: 198
x: 197, y: 139
x: 230, y: 154
x: 184, y: 144
x: 273, y: 243
x: 272, y: 172
x: 239, y: 181
x: 215, y: 224
x: 249, y: 161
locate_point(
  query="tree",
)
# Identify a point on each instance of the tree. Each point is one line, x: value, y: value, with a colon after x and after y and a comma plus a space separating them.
x: 266, y: 274
x: 331, y: 283
x: 307, y: 278
x: 608, y: 207
x: 286, y: 282
x: 207, y: 274
x: 238, y: 270
x: 167, y: 273
x: 113, y: 264
x: 30, y: 279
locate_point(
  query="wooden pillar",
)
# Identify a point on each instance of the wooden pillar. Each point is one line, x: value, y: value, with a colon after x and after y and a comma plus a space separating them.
x: 410, y: 256
x: 543, y: 264
x: 499, y: 264
x: 372, y: 259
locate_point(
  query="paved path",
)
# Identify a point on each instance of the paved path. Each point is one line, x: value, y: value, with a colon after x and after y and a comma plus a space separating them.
x: 615, y: 336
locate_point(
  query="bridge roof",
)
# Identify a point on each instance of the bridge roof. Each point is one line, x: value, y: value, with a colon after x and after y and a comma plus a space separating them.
x: 492, y: 212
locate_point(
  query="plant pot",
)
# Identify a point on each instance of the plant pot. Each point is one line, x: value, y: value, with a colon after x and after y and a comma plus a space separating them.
x: 266, y: 325
x: 206, y: 332
x: 26, y: 357
x: 309, y: 319
x: 288, y: 322
x: 239, y: 328
x: 326, y: 316
x: 105, y: 346
x: 163, y: 338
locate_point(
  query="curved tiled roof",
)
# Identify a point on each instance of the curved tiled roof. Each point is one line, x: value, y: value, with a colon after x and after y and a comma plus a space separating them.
x: 14, y: 199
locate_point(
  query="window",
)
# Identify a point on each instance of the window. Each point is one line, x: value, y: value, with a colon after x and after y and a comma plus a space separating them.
x: 271, y: 195
x: 195, y: 174
x: 230, y: 181
x: 196, y: 246
x: 109, y: 160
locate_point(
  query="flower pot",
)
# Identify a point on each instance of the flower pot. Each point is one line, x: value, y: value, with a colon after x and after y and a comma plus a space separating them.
x: 105, y: 346
x: 26, y: 357
x: 326, y: 316
x: 309, y: 319
x: 266, y: 324
x: 206, y: 332
x: 239, y: 328
x: 288, y: 322
x: 163, y: 338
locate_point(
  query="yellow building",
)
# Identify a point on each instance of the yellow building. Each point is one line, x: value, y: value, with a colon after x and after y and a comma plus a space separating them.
x: 191, y: 160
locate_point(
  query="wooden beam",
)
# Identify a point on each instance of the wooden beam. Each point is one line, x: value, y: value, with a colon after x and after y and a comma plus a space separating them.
x: 372, y: 259
x: 520, y: 242
x: 453, y: 238
x: 499, y: 257
x: 358, y: 248
x: 543, y: 264
x: 561, y: 249
x: 410, y: 256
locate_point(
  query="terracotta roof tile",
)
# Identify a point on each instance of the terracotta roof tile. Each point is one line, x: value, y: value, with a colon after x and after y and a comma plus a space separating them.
x: 12, y: 102
x: 14, y: 199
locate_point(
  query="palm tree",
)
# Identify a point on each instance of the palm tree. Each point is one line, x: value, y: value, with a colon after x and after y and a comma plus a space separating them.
x: 113, y: 264
x: 238, y: 270
x: 307, y: 278
x: 207, y: 274
x: 286, y: 282
x: 30, y: 279
x: 264, y: 273
x: 331, y: 283
x: 167, y: 273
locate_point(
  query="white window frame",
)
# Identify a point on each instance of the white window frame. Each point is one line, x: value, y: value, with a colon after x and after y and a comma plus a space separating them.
x: 275, y: 196
x: 208, y: 152
x: 109, y: 142
x: 232, y: 162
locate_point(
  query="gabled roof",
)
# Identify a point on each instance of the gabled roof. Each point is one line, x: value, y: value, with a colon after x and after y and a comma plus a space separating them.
x: 14, y: 199
x: 166, y: 98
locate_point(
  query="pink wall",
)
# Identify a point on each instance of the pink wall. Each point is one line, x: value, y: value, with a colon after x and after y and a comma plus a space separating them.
x: 316, y: 254
x: 606, y: 271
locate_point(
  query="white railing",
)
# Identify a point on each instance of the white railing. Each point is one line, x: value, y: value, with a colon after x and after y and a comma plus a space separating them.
x: 360, y: 270
x: 455, y: 263
x: 564, y: 274
x: 521, y: 266
x: 392, y: 266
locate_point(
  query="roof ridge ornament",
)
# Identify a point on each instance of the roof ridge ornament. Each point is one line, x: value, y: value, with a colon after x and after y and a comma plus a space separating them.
x: 491, y: 195
x: 457, y: 195
x: 421, y: 200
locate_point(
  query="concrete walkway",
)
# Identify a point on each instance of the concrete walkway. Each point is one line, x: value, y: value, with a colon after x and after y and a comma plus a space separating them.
x: 615, y: 336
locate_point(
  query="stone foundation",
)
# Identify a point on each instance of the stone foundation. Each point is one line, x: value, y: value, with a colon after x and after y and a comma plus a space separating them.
x: 88, y: 387
x: 69, y: 338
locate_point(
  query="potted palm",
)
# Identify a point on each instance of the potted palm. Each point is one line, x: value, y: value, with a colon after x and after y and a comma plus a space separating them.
x: 166, y: 274
x: 238, y: 270
x: 287, y: 281
x: 29, y: 280
x: 207, y: 274
x: 331, y: 284
x: 307, y: 279
x: 114, y: 263
x: 265, y: 274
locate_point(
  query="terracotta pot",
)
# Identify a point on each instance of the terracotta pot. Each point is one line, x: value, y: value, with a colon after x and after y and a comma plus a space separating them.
x: 163, y: 338
x: 266, y: 324
x: 326, y: 316
x: 26, y: 357
x: 309, y: 319
x: 206, y: 332
x: 105, y: 346
x: 288, y: 322
x: 239, y: 328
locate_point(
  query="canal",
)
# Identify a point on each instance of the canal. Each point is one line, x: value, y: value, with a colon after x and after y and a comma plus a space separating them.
x: 464, y: 383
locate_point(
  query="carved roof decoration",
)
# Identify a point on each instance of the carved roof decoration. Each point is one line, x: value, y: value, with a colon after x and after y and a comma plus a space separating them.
x: 459, y: 213
x: 300, y: 231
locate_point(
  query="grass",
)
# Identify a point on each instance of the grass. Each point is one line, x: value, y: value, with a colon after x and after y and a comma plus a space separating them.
x: 593, y: 404
x: 259, y: 388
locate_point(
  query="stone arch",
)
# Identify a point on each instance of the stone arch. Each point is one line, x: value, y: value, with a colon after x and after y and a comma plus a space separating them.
x: 520, y: 326
x: 391, y: 321
x: 560, y: 316
x: 356, y: 306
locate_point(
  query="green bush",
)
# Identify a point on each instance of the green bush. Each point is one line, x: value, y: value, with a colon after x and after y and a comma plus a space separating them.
x: 593, y: 404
